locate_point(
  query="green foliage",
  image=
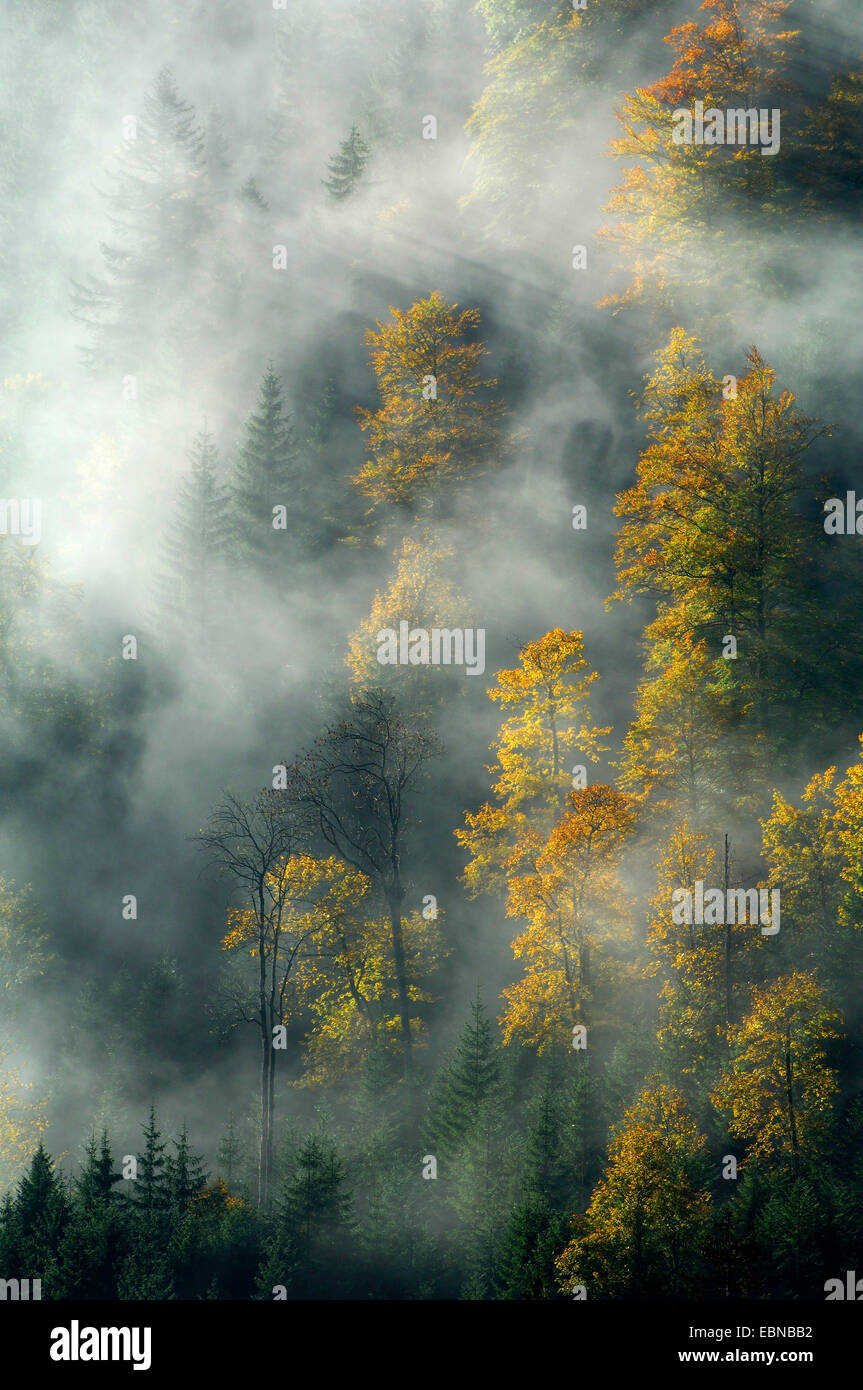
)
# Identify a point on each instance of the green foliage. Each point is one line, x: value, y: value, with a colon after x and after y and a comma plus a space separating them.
x: 192, y: 591
x: 346, y: 167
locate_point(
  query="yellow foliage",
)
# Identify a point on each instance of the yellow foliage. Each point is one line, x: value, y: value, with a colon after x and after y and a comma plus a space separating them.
x: 438, y: 422
x: 548, y: 726
x: 777, y: 1095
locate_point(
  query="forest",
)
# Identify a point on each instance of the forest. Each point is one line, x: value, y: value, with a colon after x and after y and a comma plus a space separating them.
x: 431, y: 649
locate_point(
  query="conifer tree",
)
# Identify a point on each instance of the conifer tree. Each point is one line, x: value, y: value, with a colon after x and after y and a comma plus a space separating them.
x: 265, y: 478
x: 184, y: 1173
x: 93, y: 1237
x: 150, y: 1194
x: 346, y: 167
x: 146, y: 1272
x: 36, y: 1222
x: 531, y: 1242
x: 157, y: 214
x: 229, y: 1151
x: 468, y: 1081
x: 196, y: 547
x: 313, y: 1228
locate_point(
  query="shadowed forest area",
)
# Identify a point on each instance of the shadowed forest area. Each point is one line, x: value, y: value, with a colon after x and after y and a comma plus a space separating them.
x: 431, y: 651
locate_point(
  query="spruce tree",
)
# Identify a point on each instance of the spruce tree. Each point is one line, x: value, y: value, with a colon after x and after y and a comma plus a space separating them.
x: 465, y: 1083
x: 266, y: 477
x: 195, y: 550
x: 184, y: 1173
x: 228, y: 1152
x: 147, y: 1273
x: 93, y: 1237
x: 534, y: 1236
x: 157, y: 212
x: 313, y: 1228
x: 38, y: 1217
x: 346, y: 167
x: 151, y: 1193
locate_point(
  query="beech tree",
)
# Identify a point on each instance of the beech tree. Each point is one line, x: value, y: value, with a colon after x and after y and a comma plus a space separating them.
x: 712, y: 532
x: 252, y: 844
x: 357, y: 788
x: 439, y: 422
x: 549, y: 725
x: 641, y: 1231
x: 673, y: 206
x: 778, y: 1092
x: 573, y: 899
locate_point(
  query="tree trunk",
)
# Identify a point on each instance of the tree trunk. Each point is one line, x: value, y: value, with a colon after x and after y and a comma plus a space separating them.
x: 789, y: 1091
x: 265, y: 1117
x: 727, y: 955
x: 395, y: 898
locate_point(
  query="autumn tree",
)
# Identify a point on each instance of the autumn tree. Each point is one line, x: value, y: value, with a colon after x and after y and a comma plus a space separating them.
x: 803, y: 850
x: 778, y: 1092
x: 422, y: 595
x: 572, y: 899
x: 356, y: 788
x: 439, y: 421
x: 252, y: 845
x: 22, y: 1121
x: 829, y: 150
x: 344, y: 978
x: 539, y: 101
x: 676, y: 750
x: 814, y: 850
x: 703, y: 967
x: 675, y: 203
x: 548, y: 724
x: 646, y: 1217
x: 711, y: 531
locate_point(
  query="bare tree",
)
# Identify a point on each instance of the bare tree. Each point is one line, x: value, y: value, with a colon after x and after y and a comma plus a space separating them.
x: 355, y: 786
x: 251, y: 844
